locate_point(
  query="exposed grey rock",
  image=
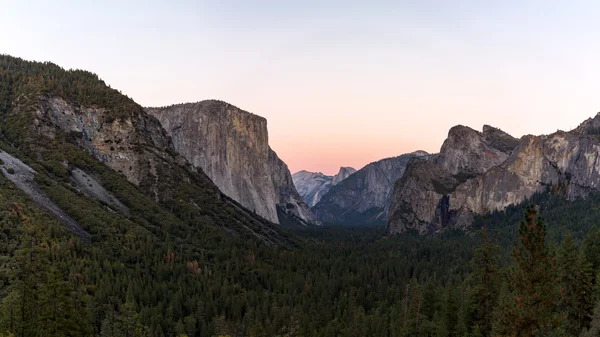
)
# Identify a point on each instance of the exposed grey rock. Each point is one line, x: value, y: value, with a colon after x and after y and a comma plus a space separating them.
x: 468, y: 152
x: 231, y: 146
x: 132, y: 146
x: 429, y: 211
x: 590, y: 126
x: 91, y: 187
x: 23, y: 177
x: 565, y: 161
x: 313, y: 185
x: 344, y: 173
x: 425, y: 200
x: 288, y: 198
x: 363, y: 197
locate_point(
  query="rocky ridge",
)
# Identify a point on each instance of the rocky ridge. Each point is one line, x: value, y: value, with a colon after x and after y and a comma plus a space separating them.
x: 363, y: 198
x: 313, y: 185
x: 476, y: 173
x: 344, y: 173
x: 231, y: 146
x: 92, y: 146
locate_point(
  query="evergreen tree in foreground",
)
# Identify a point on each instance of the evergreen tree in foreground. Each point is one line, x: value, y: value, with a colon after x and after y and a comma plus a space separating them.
x: 486, y: 285
x: 532, y: 308
x: 576, y: 278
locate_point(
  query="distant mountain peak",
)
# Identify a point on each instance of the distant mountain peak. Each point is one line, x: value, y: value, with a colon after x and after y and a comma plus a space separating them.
x: 420, y: 153
x: 363, y: 197
x: 343, y: 173
x: 313, y: 185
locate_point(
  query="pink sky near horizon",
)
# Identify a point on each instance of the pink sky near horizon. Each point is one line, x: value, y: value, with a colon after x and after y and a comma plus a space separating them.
x: 341, y: 83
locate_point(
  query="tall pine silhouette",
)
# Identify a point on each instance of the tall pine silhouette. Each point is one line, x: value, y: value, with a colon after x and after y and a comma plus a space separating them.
x: 532, y: 309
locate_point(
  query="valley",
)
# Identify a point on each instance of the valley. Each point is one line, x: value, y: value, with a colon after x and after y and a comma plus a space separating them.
x: 119, y: 220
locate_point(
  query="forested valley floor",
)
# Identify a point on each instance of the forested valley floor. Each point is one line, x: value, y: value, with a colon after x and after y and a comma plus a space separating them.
x: 503, y: 279
x: 184, y: 262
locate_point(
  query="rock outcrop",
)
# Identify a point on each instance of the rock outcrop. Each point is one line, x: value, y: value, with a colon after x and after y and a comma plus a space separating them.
x: 363, y: 198
x: 135, y: 145
x: 84, y: 136
x: 467, y: 152
x: 465, y: 180
x: 23, y: 177
x: 288, y: 199
x: 231, y: 146
x: 116, y: 142
x: 313, y: 185
x: 344, y: 173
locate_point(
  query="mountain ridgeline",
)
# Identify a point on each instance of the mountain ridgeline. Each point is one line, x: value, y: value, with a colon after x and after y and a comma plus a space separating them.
x: 114, y: 222
x: 480, y: 172
x: 313, y: 185
x: 231, y: 146
x: 55, y: 118
x: 364, y: 197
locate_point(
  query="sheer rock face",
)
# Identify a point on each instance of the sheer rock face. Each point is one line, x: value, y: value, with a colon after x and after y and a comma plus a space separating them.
x: 313, y: 185
x: 480, y: 186
x: 440, y: 193
x: 468, y: 152
x: 132, y: 146
x: 288, y: 198
x: 344, y: 173
x: 231, y: 146
x: 418, y: 197
x: 363, y: 197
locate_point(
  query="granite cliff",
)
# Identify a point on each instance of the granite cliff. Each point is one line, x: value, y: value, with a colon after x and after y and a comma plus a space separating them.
x: 363, y: 198
x: 87, y: 144
x: 313, y: 185
x: 344, y: 173
x: 467, y: 179
x: 231, y: 146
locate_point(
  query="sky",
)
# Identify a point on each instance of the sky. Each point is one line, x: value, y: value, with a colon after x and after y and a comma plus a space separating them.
x: 341, y: 83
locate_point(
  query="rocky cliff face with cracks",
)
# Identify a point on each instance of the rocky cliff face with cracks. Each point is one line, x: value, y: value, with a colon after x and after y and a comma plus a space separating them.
x: 137, y: 147
x: 313, y: 185
x: 231, y: 146
x: 116, y: 142
x: 77, y: 133
x: 343, y: 173
x: 363, y: 198
x: 468, y: 179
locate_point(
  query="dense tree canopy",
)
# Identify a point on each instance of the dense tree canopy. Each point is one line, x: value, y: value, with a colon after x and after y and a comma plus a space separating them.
x: 167, y: 268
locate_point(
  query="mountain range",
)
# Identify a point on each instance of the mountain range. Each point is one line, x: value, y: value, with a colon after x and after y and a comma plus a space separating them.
x: 120, y: 220
x: 480, y: 172
x: 212, y: 150
x: 67, y: 128
x: 363, y: 198
x: 313, y: 185
x: 231, y: 146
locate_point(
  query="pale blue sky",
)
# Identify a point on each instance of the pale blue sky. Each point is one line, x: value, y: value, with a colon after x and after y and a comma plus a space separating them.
x: 340, y: 82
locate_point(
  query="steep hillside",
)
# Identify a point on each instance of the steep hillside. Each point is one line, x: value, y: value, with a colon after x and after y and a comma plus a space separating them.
x: 56, y: 117
x: 491, y: 176
x: 231, y: 146
x: 363, y: 198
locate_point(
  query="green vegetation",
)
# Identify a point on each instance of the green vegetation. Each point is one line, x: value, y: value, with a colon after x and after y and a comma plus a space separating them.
x: 10, y: 170
x: 139, y: 277
x: 184, y: 263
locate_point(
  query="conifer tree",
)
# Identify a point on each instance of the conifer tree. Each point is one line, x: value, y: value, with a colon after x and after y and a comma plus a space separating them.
x: 576, y: 279
x: 533, y: 305
x: 486, y: 285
